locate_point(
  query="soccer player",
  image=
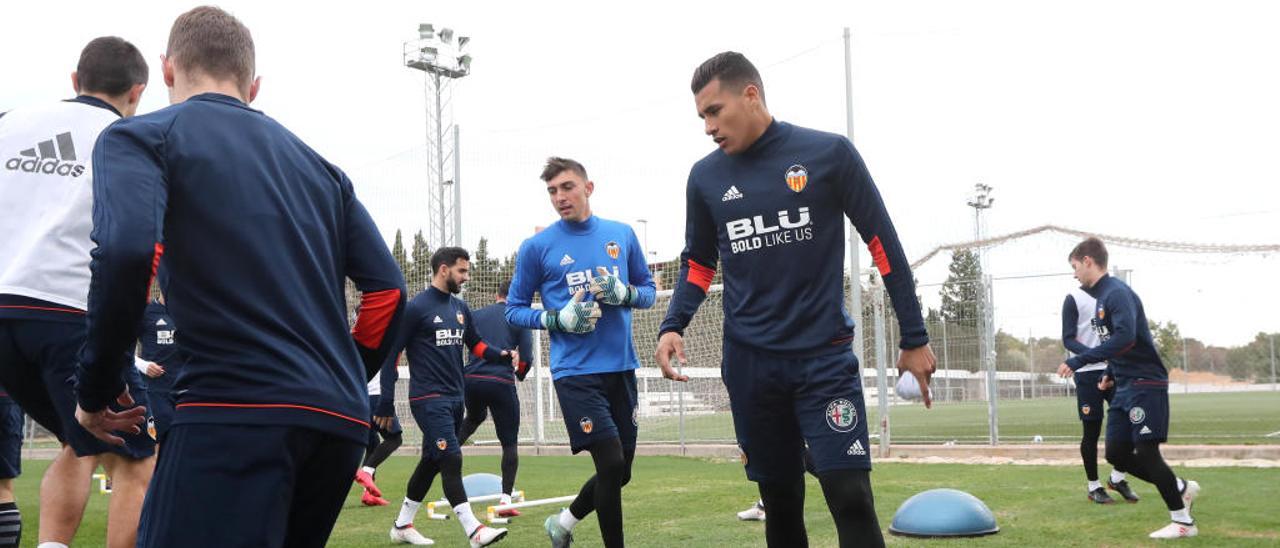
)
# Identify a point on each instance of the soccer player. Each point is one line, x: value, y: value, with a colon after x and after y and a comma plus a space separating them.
x: 593, y: 360
x: 1078, y: 337
x: 258, y: 235
x: 11, y: 423
x: 769, y: 204
x: 436, y: 326
x: 1138, y: 421
x: 491, y: 386
x: 383, y: 441
x: 158, y: 361
x: 47, y: 192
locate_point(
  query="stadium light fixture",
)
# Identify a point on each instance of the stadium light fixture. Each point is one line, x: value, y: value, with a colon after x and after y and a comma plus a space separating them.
x: 446, y: 35
x: 426, y: 31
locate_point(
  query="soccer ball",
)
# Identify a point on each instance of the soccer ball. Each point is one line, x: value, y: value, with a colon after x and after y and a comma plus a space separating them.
x: 1037, y: 439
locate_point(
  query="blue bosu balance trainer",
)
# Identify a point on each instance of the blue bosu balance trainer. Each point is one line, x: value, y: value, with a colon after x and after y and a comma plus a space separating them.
x: 479, y: 485
x: 943, y: 513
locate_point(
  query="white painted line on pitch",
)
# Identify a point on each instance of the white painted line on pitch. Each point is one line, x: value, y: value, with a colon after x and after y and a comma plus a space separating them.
x: 1275, y: 434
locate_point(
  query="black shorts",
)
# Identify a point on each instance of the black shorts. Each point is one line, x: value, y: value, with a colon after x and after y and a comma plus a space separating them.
x: 598, y: 407
x: 500, y: 398
x: 1090, y: 401
x: 38, y: 362
x: 781, y: 405
x: 440, y: 420
x: 230, y: 485
x: 11, y: 423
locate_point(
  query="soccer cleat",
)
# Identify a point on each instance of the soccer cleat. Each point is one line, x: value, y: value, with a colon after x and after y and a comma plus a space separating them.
x: 755, y: 513
x: 1190, y: 490
x: 1123, y: 488
x: 370, y: 499
x: 484, y: 536
x: 560, y: 537
x: 1176, y: 530
x: 1099, y: 496
x: 409, y: 535
x: 366, y: 480
x: 509, y: 513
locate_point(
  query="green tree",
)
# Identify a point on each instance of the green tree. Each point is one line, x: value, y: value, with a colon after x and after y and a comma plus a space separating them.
x: 1168, y: 339
x: 398, y: 252
x: 1251, y: 361
x: 962, y: 291
x: 420, y: 274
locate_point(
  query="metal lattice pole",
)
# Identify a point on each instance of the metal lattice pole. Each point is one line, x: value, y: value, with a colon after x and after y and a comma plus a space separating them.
x: 882, y: 368
x: 988, y: 357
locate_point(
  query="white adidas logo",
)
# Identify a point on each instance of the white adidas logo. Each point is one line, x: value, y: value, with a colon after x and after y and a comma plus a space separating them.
x: 161, y: 322
x: 732, y: 194
x: 1145, y: 430
x: 437, y: 320
x: 856, y: 449
x: 567, y: 260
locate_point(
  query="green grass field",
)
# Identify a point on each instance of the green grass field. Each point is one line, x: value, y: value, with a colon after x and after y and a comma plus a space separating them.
x: 685, y: 502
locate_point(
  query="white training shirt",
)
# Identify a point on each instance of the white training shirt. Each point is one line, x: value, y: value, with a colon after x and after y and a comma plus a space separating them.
x: 1086, y: 307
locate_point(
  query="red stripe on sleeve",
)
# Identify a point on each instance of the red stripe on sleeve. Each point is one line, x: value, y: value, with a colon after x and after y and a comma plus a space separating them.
x: 478, y: 350
x: 700, y: 275
x: 376, y: 310
x: 878, y: 255
x: 523, y: 368
x: 155, y: 267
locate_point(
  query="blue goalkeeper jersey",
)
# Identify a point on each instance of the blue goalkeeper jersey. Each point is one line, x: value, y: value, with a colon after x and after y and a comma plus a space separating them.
x: 561, y: 260
x: 773, y: 217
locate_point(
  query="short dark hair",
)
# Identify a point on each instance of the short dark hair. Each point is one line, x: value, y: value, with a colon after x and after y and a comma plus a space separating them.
x: 447, y: 256
x: 110, y: 65
x: 557, y: 165
x: 732, y: 69
x: 504, y: 288
x: 1091, y: 247
x: 214, y: 43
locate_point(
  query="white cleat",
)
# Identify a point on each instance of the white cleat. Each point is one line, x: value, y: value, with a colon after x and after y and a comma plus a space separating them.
x: 409, y: 535
x: 1190, y: 491
x: 1176, y: 530
x: 484, y: 536
x: 755, y: 513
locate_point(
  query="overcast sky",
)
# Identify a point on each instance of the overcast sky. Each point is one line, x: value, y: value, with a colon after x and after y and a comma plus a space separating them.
x: 1157, y: 120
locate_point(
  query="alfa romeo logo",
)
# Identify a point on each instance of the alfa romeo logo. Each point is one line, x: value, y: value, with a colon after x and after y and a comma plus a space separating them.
x: 841, y: 415
x: 1137, y: 415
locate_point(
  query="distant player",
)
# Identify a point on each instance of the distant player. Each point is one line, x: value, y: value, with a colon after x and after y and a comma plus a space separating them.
x: 436, y: 326
x: 1138, y: 421
x: 593, y: 361
x: 769, y: 206
x: 383, y: 442
x: 491, y: 386
x: 47, y: 193
x: 259, y: 236
x: 1078, y: 337
x: 158, y: 361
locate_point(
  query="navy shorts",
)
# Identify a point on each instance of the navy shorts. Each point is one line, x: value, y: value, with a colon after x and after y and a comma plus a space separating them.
x: 1139, y: 412
x: 780, y: 405
x: 278, y: 486
x: 38, y: 366
x: 598, y: 407
x: 500, y: 397
x: 160, y: 411
x: 440, y: 420
x: 1090, y: 402
x: 11, y: 422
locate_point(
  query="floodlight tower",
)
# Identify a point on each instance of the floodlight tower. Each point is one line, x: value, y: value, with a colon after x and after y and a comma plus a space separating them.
x: 442, y: 60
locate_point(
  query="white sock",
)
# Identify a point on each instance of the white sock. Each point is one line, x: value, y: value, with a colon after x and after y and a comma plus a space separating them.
x: 506, y: 499
x: 466, y: 518
x: 407, y: 511
x: 1094, y: 485
x: 1182, y: 485
x: 567, y: 520
x: 368, y: 469
x: 1181, y: 516
x: 1117, y: 476
x: 51, y: 545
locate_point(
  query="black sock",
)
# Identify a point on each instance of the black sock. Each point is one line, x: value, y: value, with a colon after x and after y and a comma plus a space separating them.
x: 383, y: 450
x: 852, y: 505
x: 784, y: 502
x: 1089, y: 448
x: 10, y: 525
x: 510, y: 464
x: 603, y: 492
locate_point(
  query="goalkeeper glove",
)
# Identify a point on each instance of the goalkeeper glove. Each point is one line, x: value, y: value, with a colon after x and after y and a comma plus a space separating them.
x: 608, y: 289
x: 575, y: 317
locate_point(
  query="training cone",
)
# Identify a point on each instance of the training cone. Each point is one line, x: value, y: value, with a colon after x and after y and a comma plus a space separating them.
x: 943, y: 513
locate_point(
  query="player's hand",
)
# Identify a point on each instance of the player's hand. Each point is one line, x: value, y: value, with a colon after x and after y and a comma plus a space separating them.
x: 102, y: 424
x: 515, y: 357
x: 671, y: 343
x: 1065, y: 371
x: 154, y: 370
x: 383, y: 422
x: 608, y: 289
x: 1106, y: 383
x: 575, y: 317
x: 920, y: 362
